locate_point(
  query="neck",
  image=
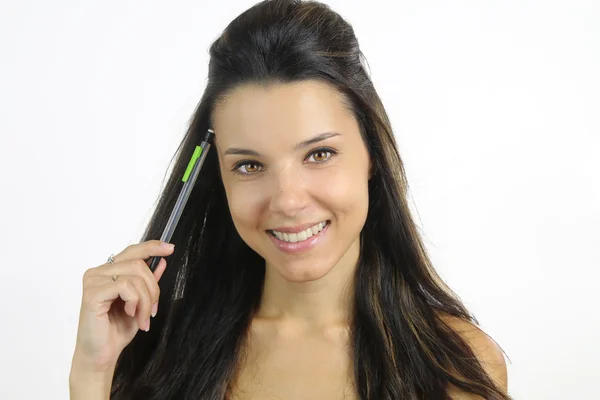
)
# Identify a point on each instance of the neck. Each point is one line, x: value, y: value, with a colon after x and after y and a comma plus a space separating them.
x: 315, y: 304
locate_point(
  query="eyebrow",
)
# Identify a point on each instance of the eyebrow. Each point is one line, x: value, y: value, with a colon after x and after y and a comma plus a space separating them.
x: 319, y: 138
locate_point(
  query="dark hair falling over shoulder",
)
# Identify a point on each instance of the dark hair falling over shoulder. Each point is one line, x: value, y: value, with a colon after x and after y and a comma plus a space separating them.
x: 402, y: 349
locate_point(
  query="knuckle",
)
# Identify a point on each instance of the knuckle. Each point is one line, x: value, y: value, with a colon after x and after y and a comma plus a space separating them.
x: 140, y: 265
x: 86, y: 274
x: 125, y: 285
x: 89, y: 273
x: 134, y: 245
x: 140, y: 284
x: 154, y: 293
x: 137, y: 281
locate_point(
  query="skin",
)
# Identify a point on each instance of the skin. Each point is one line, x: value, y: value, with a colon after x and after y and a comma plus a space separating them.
x: 298, y: 346
x: 289, y: 187
x: 118, y: 299
x: 488, y: 353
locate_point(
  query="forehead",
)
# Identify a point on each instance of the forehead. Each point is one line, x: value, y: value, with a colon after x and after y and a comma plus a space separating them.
x: 281, y: 109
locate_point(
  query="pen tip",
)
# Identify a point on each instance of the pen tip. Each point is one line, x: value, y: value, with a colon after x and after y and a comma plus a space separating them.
x: 209, y: 134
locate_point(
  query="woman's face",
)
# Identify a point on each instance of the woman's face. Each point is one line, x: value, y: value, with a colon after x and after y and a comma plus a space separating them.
x: 295, y: 170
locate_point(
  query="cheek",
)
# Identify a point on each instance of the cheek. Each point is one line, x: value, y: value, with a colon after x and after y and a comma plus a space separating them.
x: 346, y: 191
x: 245, y: 203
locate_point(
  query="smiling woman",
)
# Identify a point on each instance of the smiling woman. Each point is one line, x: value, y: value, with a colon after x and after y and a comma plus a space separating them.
x: 301, y: 201
x: 298, y: 271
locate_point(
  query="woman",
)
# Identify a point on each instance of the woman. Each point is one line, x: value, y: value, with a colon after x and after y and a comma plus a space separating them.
x: 297, y: 270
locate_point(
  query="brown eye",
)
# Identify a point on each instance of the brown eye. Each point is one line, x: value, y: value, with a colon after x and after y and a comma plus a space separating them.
x: 250, y: 168
x: 321, y: 155
x: 247, y: 168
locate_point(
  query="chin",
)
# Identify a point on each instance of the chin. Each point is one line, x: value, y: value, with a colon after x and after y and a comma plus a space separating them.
x: 303, y: 271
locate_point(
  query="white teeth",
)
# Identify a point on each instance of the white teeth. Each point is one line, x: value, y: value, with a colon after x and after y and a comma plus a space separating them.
x: 300, y: 236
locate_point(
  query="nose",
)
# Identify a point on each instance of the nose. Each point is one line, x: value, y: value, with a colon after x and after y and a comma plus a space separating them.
x: 290, y: 196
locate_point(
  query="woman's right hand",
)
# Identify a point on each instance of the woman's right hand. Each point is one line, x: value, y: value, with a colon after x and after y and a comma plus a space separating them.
x: 112, y: 311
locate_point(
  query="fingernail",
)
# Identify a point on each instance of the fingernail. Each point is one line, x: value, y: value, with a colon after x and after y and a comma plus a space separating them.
x: 154, y: 310
x: 147, y: 325
x: 167, y: 246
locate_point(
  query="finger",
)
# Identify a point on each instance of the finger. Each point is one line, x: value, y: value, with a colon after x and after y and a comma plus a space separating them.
x: 160, y: 268
x: 99, y: 298
x: 145, y: 250
x: 144, y: 305
x: 132, y: 267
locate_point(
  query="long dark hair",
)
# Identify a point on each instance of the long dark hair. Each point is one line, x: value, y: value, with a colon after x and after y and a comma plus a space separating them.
x: 402, y: 348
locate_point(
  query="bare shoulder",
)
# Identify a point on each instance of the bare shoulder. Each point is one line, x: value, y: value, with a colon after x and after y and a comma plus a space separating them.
x: 485, y: 349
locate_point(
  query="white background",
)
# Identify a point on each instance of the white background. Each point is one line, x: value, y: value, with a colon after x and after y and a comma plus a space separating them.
x: 494, y: 105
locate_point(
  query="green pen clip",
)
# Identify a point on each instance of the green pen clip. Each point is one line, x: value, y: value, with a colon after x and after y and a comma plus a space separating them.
x: 192, y: 162
x: 192, y: 173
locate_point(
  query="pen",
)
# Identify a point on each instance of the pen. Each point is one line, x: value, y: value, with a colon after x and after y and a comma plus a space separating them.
x: 189, y: 178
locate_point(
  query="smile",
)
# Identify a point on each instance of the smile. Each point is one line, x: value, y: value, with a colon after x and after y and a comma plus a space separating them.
x: 299, y: 241
x: 299, y: 236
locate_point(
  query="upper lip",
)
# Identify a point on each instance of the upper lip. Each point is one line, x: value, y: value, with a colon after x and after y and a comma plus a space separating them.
x: 297, y: 228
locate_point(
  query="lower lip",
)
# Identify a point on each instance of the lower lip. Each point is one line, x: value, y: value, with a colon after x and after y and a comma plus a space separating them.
x: 299, y: 247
